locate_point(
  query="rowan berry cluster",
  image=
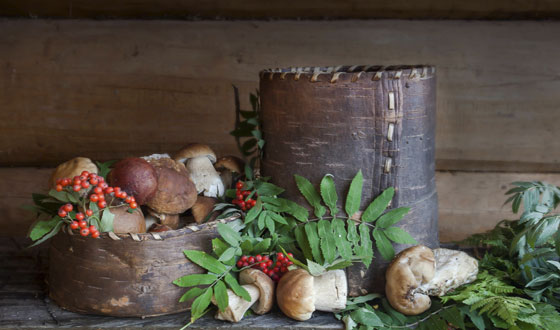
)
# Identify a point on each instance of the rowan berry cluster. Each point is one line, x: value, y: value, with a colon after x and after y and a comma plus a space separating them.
x: 272, y: 265
x: 241, y: 197
x: 98, y: 191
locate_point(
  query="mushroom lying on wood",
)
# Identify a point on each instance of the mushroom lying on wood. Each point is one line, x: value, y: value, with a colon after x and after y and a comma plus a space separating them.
x: 198, y: 158
x: 417, y: 272
x: 299, y: 294
x: 202, y: 208
x: 71, y: 168
x: 261, y: 290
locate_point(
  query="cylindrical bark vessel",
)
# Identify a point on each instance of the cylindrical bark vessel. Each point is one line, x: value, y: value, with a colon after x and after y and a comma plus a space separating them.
x: 340, y: 120
x: 125, y: 277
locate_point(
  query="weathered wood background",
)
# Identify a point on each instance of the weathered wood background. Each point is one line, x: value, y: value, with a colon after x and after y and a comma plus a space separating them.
x: 109, y: 89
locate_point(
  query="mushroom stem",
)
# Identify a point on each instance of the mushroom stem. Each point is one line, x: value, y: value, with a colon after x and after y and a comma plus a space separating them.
x: 205, y: 177
x: 330, y: 290
x: 237, y: 305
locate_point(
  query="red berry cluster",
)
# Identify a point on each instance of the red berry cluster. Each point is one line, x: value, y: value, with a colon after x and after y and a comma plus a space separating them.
x: 97, y: 189
x: 241, y: 196
x: 275, y: 267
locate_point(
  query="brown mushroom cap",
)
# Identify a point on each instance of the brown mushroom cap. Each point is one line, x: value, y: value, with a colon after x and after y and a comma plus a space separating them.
x: 195, y: 150
x: 265, y: 285
x: 126, y: 222
x: 203, y: 206
x: 71, y: 168
x: 232, y: 163
x: 135, y: 176
x: 410, y: 269
x: 295, y: 294
x: 175, y: 192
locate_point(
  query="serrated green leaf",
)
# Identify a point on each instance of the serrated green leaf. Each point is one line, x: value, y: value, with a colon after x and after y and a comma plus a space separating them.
x: 236, y: 288
x: 379, y: 204
x: 262, y: 246
x: 303, y: 243
x: 268, y: 189
x: 41, y: 228
x: 278, y: 218
x: 366, y: 317
x: 310, y: 194
x: 314, y: 242
x: 340, y: 237
x: 195, y: 279
x: 106, y: 223
x: 228, y: 234
x: 205, y: 261
x: 253, y: 212
x: 315, y: 269
x: 200, y: 304
x: 327, y: 243
x: 354, y: 197
x: 328, y: 192
x: 220, y: 293
x: 191, y: 294
x: 392, y: 217
x: 383, y: 245
x: 398, y: 235
x: 294, y: 209
x: 366, y: 246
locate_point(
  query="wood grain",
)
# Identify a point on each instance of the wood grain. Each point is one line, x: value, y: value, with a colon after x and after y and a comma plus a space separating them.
x: 468, y: 202
x: 115, y: 88
x: 315, y: 9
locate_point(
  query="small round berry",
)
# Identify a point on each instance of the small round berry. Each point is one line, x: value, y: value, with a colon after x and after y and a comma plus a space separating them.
x: 92, y: 228
x: 89, y: 213
x: 278, y: 264
x: 243, y: 208
x: 117, y: 189
x: 74, y: 225
x: 76, y: 187
x: 97, y: 190
x: 280, y: 255
x: 84, y: 173
x: 95, y: 234
x: 123, y: 194
x: 133, y: 205
x: 269, y: 263
x: 266, y: 257
x: 258, y: 258
x: 109, y: 190
x: 93, y: 181
x: 85, y: 184
x: 275, y: 277
x: 128, y: 199
x: 84, y: 232
x: 251, y: 260
x: 101, y: 197
x: 82, y: 224
x: 66, y: 182
x: 239, y: 185
x: 253, y: 202
x: 59, y: 187
x: 59, y: 181
x: 262, y: 266
x: 246, y: 193
x: 276, y: 269
x: 83, y: 177
x: 239, y: 197
x: 283, y: 269
x: 242, y: 204
x: 289, y: 263
x: 271, y: 273
x: 77, y: 181
x: 80, y: 216
x: 102, y: 204
x: 132, y: 199
x: 244, y: 258
x: 266, y: 271
x: 94, y: 198
x: 245, y: 264
x: 68, y: 207
x: 103, y: 185
x: 239, y: 264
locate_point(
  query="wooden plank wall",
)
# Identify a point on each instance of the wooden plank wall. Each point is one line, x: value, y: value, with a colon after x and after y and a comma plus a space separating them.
x: 109, y: 89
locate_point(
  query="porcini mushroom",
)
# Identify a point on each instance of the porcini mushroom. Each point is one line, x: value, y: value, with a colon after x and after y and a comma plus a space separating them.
x: 299, y: 294
x: 198, y: 158
x: 261, y: 290
x: 175, y: 191
x: 126, y: 222
x: 203, y: 206
x: 229, y: 167
x: 418, y: 272
x: 135, y: 176
x: 71, y: 168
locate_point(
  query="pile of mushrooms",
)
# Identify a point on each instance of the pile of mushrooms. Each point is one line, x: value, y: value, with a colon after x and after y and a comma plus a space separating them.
x: 419, y: 272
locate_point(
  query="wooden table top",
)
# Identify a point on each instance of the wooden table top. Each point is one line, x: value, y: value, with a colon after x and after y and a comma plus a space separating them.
x: 24, y: 302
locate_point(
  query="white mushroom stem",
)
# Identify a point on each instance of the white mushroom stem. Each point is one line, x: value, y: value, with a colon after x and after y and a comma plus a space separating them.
x: 237, y: 305
x: 205, y: 177
x: 330, y: 291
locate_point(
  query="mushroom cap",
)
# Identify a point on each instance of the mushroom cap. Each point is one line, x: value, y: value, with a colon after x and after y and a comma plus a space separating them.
x: 295, y: 294
x: 232, y: 163
x: 175, y: 191
x: 203, y: 206
x: 265, y: 285
x: 410, y: 269
x: 453, y: 269
x: 71, y: 168
x: 195, y: 150
x: 125, y: 222
x: 135, y: 176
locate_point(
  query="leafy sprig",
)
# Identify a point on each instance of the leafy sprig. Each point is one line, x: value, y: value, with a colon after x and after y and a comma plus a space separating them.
x: 247, y: 132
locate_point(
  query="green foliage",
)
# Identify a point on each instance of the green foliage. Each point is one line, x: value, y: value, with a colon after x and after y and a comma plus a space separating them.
x: 247, y: 132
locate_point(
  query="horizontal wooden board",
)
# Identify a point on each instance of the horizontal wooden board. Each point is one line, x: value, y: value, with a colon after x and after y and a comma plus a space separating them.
x: 108, y: 89
x: 316, y: 9
x: 468, y: 202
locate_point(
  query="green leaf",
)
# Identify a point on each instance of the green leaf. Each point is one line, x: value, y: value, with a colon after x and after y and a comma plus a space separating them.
x: 314, y: 242
x: 262, y: 218
x: 294, y: 209
x: 220, y: 293
x: 228, y: 254
x: 205, y: 261
x: 200, y: 304
x: 277, y: 217
x: 376, y: 208
x: 310, y: 194
x: 262, y: 246
x: 268, y: 189
x: 398, y: 235
x: 315, y: 269
x: 41, y: 228
x: 228, y: 234
x: 341, y: 241
x: 269, y: 223
x: 366, y: 317
x: 363, y: 299
x: 104, y: 168
x: 248, y: 172
x: 383, y: 245
x: 328, y: 192
x: 339, y: 264
x: 50, y: 234
x: 59, y: 195
x: 392, y: 217
x: 195, y: 279
x: 219, y: 246
x: 254, y: 212
x: 303, y: 243
x: 328, y: 245
x: 349, y: 324
x: 353, y: 233
x: 246, y: 246
x: 236, y: 288
x: 191, y: 294
x: 354, y: 197
x: 107, y: 220
x: 366, y: 246
x: 453, y: 316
